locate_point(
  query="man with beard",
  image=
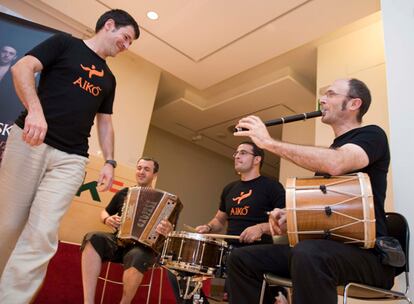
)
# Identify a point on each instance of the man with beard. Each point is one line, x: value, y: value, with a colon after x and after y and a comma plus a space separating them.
x: 244, y: 203
x: 318, y: 266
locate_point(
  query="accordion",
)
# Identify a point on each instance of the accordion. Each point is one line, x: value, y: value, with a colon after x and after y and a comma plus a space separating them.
x: 144, y: 208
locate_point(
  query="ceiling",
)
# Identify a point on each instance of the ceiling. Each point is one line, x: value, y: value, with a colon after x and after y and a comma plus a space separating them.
x: 223, y: 60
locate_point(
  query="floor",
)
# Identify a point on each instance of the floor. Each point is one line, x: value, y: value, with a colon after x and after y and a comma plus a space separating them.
x: 211, y: 301
x: 217, y: 291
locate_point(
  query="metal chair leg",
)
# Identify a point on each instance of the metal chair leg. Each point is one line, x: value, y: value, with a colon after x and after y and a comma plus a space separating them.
x: 105, y: 280
x: 150, y: 284
x: 262, y: 292
x: 160, y: 290
x: 345, y: 295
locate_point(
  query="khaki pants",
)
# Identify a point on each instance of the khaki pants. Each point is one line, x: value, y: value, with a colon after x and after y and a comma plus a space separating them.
x: 37, y: 185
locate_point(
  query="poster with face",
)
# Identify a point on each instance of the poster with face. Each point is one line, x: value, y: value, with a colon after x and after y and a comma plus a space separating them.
x: 17, y: 36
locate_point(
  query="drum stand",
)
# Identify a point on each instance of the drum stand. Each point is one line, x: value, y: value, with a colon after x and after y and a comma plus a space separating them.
x: 193, y: 285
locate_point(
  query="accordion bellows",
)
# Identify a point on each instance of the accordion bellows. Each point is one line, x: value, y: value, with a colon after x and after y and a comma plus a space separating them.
x: 144, y: 208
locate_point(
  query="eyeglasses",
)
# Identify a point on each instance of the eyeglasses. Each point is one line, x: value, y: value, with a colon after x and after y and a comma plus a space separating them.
x: 242, y: 153
x: 331, y: 94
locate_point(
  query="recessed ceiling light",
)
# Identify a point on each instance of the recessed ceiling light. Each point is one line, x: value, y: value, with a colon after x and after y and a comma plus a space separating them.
x: 152, y: 15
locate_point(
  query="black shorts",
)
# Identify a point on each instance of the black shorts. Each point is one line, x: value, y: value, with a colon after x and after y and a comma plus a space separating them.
x: 109, y: 249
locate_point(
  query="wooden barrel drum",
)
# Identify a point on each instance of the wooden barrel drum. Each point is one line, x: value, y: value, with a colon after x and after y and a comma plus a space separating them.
x: 340, y: 208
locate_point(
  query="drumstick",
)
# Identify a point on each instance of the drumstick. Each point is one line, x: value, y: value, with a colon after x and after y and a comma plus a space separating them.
x: 222, y: 236
x: 189, y: 228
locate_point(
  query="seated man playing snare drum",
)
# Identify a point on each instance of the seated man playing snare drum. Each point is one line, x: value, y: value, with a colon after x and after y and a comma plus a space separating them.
x: 244, y: 202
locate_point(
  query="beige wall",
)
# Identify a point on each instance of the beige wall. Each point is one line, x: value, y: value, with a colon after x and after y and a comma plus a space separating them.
x: 195, y: 174
x: 26, y: 11
x: 399, y: 50
x: 303, y: 133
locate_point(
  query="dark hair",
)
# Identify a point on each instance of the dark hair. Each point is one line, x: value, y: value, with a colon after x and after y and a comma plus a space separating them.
x: 256, y: 150
x: 156, y: 164
x: 120, y: 17
x: 8, y: 45
x: 358, y: 89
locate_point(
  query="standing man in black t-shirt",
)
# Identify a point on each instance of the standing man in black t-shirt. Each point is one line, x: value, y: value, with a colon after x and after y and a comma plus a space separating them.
x: 98, y: 247
x: 317, y: 267
x: 46, y: 152
x: 244, y: 203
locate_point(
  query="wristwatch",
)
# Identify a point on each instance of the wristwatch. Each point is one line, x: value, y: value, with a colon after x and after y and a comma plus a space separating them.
x: 111, y: 162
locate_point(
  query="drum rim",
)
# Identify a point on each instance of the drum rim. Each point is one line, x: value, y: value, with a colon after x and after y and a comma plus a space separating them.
x: 197, y: 237
x: 189, y: 267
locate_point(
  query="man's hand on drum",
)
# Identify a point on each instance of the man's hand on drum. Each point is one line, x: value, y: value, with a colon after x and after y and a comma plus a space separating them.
x: 203, y: 229
x: 113, y: 221
x: 251, y: 234
x: 277, y: 221
x: 164, y: 227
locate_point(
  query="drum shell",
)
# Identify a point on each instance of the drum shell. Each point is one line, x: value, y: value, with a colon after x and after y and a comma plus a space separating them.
x: 193, y: 252
x: 348, y: 198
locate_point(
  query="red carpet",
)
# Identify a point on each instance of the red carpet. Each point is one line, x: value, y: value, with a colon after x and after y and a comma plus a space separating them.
x: 63, y: 283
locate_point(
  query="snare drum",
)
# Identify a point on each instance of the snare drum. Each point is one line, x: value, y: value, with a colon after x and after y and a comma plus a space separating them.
x: 340, y: 208
x: 193, y: 253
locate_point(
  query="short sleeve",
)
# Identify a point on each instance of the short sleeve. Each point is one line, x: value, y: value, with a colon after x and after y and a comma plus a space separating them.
x: 50, y: 49
x: 116, y: 202
x: 278, y: 195
x: 370, y: 140
x: 107, y: 104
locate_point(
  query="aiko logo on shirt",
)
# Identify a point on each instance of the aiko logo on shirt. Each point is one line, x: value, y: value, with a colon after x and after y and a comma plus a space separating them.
x: 242, y: 196
x: 92, y: 71
x: 85, y: 84
x: 241, y: 210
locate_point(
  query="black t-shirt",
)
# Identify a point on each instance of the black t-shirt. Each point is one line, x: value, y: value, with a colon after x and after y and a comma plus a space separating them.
x: 74, y: 85
x: 373, y: 140
x: 246, y: 203
x: 116, y: 203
